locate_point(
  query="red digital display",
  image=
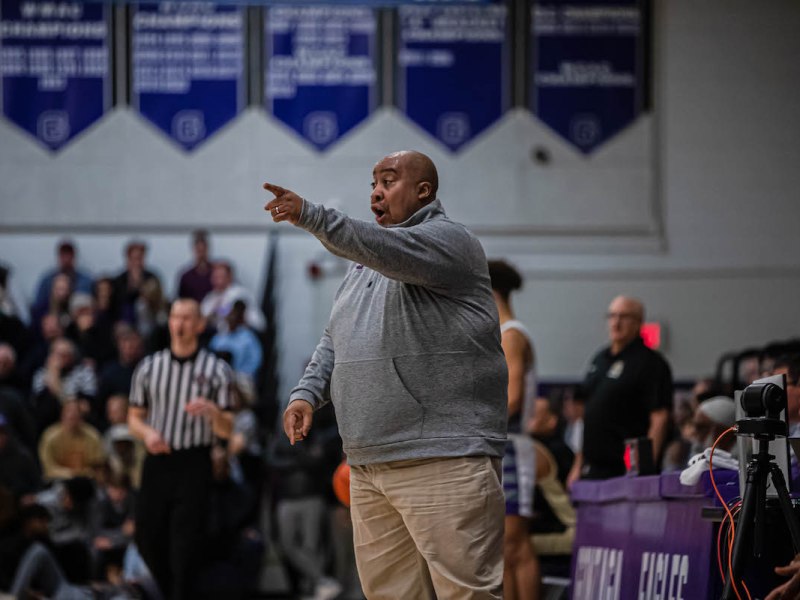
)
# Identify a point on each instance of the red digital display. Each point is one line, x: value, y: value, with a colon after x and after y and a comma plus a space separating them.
x: 651, y: 334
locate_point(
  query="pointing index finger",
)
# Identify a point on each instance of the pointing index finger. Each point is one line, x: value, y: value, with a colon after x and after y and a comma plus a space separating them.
x: 275, y: 189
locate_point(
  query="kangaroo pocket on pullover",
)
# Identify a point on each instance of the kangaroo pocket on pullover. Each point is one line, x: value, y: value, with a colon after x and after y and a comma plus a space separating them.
x: 396, y: 399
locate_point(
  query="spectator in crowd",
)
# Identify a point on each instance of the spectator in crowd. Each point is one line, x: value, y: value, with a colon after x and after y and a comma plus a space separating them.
x: 19, y: 472
x: 683, y: 445
x: 300, y: 485
x: 572, y: 411
x: 629, y: 390
x: 522, y: 577
x: 128, y: 284
x: 62, y: 377
x: 112, y: 526
x: 117, y: 410
x: 17, y: 335
x: 546, y: 425
x: 413, y: 338
x: 789, y: 365
x: 115, y: 377
x: 244, y: 446
x: 103, y: 292
x: 218, y: 302
x: 703, y: 389
x: 711, y: 419
x: 126, y: 454
x: 152, y: 310
x: 93, y: 339
x: 240, y: 341
x: 195, y: 282
x: 13, y: 403
x: 750, y: 369
x: 235, y: 543
x: 553, y: 525
x: 11, y: 303
x: 36, y: 573
x: 50, y: 330
x: 56, y: 304
x: 66, y: 265
x: 29, y: 525
x: 11, y: 376
x: 71, y: 447
x: 72, y: 503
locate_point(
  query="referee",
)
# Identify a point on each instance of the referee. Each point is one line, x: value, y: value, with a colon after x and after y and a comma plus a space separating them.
x: 179, y: 401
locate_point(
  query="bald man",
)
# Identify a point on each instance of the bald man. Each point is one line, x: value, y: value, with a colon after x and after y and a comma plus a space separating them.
x: 629, y: 395
x: 411, y: 359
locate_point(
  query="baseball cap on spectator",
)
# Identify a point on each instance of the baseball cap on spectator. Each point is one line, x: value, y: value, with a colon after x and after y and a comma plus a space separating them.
x: 720, y: 409
x: 80, y: 300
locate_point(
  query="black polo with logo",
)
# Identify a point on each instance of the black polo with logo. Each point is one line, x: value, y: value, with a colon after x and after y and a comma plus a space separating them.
x: 622, y: 390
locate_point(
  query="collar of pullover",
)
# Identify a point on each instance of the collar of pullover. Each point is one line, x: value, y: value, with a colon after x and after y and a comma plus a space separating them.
x: 429, y: 211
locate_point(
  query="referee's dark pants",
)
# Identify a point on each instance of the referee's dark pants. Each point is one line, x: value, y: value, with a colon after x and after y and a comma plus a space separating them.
x: 172, y: 518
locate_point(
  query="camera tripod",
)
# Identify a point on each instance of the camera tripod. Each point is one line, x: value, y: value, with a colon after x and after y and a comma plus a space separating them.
x: 751, y: 522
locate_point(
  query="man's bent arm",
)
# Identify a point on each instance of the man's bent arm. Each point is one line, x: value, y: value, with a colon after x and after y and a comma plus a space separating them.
x: 136, y: 422
x: 575, y: 471
x: 314, y: 386
x: 222, y: 423
x: 659, y: 422
x: 431, y: 254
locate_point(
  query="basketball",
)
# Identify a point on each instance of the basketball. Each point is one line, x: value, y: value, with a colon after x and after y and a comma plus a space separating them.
x: 341, y: 483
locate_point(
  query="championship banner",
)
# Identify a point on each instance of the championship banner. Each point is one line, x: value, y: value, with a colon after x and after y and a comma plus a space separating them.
x: 453, y: 69
x: 54, y: 67
x: 188, y: 67
x: 588, y: 68
x: 321, y: 71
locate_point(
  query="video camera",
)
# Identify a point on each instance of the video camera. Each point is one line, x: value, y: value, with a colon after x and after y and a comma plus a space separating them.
x: 764, y: 404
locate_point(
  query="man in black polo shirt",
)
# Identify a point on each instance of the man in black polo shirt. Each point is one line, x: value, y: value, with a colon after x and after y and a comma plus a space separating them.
x: 629, y: 395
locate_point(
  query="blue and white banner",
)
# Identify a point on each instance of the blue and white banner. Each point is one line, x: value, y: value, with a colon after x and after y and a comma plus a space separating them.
x: 188, y: 67
x: 453, y: 69
x: 54, y: 67
x: 588, y: 76
x: 320, y: 69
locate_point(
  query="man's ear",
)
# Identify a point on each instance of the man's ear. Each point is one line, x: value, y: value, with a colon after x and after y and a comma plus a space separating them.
x: 201, y: 324
x: 424, y: 191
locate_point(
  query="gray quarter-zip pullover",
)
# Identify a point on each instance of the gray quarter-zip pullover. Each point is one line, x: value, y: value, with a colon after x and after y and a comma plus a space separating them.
x: 411, y: 356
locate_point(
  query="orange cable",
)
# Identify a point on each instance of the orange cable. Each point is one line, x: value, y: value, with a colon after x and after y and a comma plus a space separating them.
x: 732, y: 534
x: 736, y: 509
x: 719, y: 543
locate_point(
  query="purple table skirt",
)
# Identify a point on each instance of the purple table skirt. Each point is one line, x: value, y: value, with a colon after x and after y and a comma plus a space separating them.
x: 644, y: 537
x: 656, y: 487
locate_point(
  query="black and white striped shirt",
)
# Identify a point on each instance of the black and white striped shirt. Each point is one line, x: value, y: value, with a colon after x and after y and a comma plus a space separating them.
x: 164, y: 385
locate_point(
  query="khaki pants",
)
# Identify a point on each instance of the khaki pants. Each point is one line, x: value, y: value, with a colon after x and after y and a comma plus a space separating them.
x: 429, y: 528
